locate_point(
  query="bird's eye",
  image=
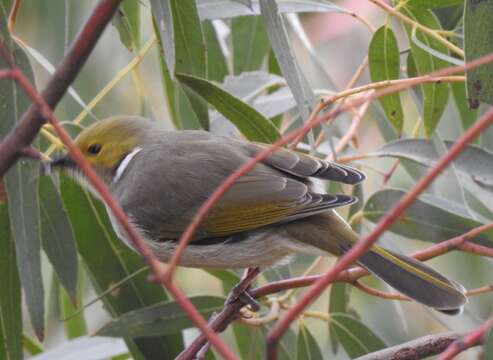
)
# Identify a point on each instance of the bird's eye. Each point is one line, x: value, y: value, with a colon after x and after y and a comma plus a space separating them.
x: 94, y: 149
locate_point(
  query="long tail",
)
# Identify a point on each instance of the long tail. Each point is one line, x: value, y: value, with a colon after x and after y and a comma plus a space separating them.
x: 408, y: 276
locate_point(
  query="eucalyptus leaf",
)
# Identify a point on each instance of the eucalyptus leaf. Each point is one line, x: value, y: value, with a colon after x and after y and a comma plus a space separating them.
x: 250, y: 122
x: 338, y: 303
x: 10, y: 296
x: 250, y: 43
x: 429, y: 218
x: 160, y: 319
x: 57, y: 235
x: 161, y: 9
x: 435, y: 96
x: 468, y: 116
x: 433, y: 4
x: 274, y: 23
x: 21, y: 183
x: 308, y: 348
x: 384, y: 63
x: 355, y: 337
x: 478, y: 41
x: 474, y: 165
x: 217, y: 68
x: 223, y: 9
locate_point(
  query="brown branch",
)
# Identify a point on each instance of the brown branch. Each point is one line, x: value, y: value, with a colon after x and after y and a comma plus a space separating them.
x: 415, y: 349
x: 32, y: 120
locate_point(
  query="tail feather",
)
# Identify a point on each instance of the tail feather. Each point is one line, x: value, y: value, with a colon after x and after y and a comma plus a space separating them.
x: 415, y: 280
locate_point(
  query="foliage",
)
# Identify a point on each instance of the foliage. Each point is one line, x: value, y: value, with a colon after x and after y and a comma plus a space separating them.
x: 250, y: 69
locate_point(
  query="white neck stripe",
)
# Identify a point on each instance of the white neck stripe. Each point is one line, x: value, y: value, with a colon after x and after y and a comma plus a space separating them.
x: 123, y: 165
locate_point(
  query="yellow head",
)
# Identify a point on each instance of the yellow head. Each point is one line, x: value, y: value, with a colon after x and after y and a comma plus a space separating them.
x: 105, y: 144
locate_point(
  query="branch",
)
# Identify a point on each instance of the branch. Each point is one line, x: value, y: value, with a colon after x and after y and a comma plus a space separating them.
x: 29, y: 125
x: 415, y: 349
x: 468, y: 341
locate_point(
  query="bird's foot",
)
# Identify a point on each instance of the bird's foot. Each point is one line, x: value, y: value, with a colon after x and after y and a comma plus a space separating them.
x: 240, y: 291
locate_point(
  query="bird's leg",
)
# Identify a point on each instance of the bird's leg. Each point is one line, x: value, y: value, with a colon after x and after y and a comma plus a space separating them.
x: 240, y: 291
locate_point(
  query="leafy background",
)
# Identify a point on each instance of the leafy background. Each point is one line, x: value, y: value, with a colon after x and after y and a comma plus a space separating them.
x: 231, y: 69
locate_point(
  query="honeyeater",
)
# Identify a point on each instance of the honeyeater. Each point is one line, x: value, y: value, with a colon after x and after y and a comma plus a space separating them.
x: 160, y: 178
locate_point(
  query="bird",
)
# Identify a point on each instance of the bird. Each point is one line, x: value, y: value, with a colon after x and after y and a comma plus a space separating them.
x: 160, y: 179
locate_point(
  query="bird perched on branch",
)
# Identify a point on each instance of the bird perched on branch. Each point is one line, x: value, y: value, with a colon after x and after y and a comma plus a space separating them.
x: 160, y: 179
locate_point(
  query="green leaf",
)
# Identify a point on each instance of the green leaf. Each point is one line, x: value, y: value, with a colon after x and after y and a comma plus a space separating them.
x: 250, y: 43
x: 250, y: 122
x: 190, y: 51
x: 131, y: 11
x: 10, y: 296
x: 163, y: 27
x: 57, y: 235
x: 160, y: 319
x: 435, y: 96
x: 122, y: 25
x: 429, y: 218
x: 21, y: 183
x: 467, y: 115
x: 308, y: 348
x: 220, y: 9
x: 355, y: 337
x: 384, y: 62
x: 478, y: 41
x: 433, y: 4
x: 217, y: 68
x: 474, y: 165
x: 31, y: 346
x: 338, y: 303
x: 185, y: 42
x: 182, y: 114
x: 280, y: 43
x: 108, y: 260
x: 75, y: 326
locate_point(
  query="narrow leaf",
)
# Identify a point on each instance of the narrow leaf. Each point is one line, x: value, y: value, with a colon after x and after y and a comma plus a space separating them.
x: 435, y: 96
x: 384, y: 62
x: 468, y: 116
x: 303, y: 94
x: 22, y: 189
x: 433, y: 4
x: 355, y: 337
x: 220, y: 9
x: 308, y: 348
x: 251, y: 123
x: 10, y: 296
x: 250, y: 43
x: 160, y: 319
x: 474, y: 165
x: 478, y: 41
x: 57, y: 235
x: 217, y: 68
x: 429, y: 218
x: 338, y: 301
x: 161, y: 9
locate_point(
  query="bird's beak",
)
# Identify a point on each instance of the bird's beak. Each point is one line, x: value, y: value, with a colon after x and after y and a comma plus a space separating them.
x: 62, y: 162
